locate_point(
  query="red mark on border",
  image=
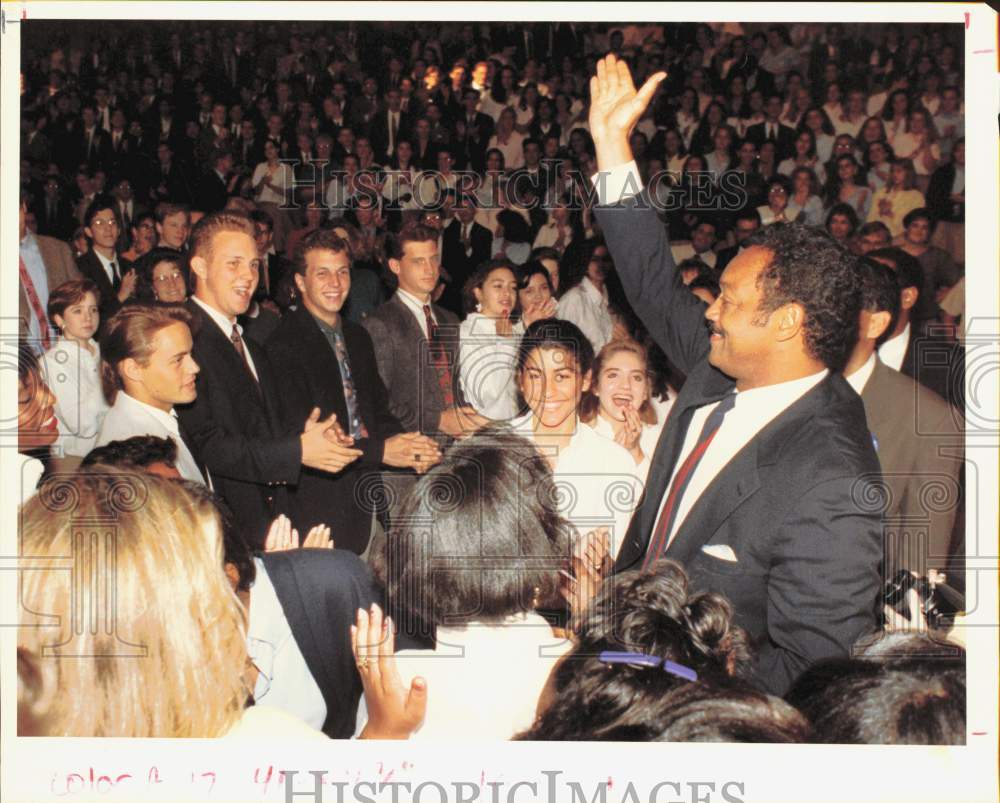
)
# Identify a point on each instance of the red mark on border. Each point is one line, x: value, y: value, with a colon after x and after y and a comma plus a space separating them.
x: 979, y: 733
x: 966, y: 20
x: 990, y: 50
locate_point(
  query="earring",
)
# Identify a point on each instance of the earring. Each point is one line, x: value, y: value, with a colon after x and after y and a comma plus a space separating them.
x: 536, y: 599
x: 479, y: 307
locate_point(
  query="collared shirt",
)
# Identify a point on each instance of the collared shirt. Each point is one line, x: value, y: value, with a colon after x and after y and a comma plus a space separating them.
x: 35, y: 266
x: 226, y: 326
x: 129, y: 417
x: 106, y: 264
x: 73, y: 374
x: 587, y: 307
x: 416, y: 306
x: 860, y: 378
x: 893, y: 350
x: 335, y: 337
x: 754, y: 410
x: 283, y: 680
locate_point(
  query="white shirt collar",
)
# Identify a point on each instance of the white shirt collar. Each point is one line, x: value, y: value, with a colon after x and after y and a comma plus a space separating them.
x: 590, y: 289
x: 893, y: 350
x: 414, y: 302
x: 221, y: 320
x: 773, y: 399
x: 168, y: 419
x: 860, y: 378
x: 106, y: 262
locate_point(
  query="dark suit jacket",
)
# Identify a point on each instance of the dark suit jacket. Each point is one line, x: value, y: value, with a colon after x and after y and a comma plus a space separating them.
x: 212, y: 194
x: 786, y: 139
x: 936, y: 363
x: 459, y: 266
x: 309, y: 376
x: 91, y: 268
x: 380, y: 132
x: 411, y: 380
x: 939, y: 196
x: 237, y: 432
x: 806, y: 577
x: 920, y: 445
x: 320, y: 591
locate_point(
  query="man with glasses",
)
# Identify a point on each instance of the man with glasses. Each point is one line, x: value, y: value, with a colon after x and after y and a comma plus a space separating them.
x: 114, y: 275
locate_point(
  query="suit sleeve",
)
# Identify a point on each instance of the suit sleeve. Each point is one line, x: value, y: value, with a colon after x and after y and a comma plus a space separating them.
x: 823, y: 582
x: 385, y: 424
x: 232, y: 454
x: 673, y: 316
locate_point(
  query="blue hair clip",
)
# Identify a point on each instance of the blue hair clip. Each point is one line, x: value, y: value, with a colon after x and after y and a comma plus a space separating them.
x: 639, y: 659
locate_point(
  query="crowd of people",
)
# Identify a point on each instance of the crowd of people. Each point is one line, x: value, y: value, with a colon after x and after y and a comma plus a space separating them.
x: 447, y: 340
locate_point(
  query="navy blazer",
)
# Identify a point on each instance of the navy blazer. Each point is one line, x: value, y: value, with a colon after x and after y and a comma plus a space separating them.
x: 309, y: 376
x: 235, y: 427
x: 794, y: 505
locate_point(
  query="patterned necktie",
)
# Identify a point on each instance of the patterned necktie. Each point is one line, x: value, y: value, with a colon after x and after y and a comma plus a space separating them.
x: 357, y: 428
x: 439, y: 359
x: 237, y: 342
x: 35, y: 303
x: 661, y: 537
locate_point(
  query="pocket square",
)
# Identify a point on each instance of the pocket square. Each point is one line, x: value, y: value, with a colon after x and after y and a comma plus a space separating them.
x: 720, y: 551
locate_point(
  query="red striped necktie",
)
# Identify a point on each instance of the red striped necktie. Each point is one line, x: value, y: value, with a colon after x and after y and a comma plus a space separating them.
x: 661, y: 536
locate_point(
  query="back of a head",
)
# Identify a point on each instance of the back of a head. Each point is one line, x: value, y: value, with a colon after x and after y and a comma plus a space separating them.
x: 169, y: 660
x: 491, y: 502
x: 138, y: 452
x: 884, y: 701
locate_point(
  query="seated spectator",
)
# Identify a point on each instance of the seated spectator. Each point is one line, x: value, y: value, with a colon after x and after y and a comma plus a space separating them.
x: 143, y: 230
x: 173, y: 225
x: 701, y: 247
x: 940, y: 271
x: 141, y: 452
x: 549, y: 259
x: 535, y: 297
x: 842, y: 188
x: 899, y: 196
x: 917, y: 142
x: 73, y: 370
x: 776, y: 209
x: 842, y: 223
x: 946, y: 201
x: 805, y: 156
x: 804, y: 204
x: 873, y: 236
x: 653, y: 661
x: 512, y: 239
x: 584, y: 300
x: 618, y: 406
x: 37, y: 425
x: 490, y: 502
x: 146, y: 369
x: 162, y: 276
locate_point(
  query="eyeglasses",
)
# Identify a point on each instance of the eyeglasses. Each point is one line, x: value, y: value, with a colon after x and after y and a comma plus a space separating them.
x: 167, y: 277
x: 639, y: 659
x: 101, y: 223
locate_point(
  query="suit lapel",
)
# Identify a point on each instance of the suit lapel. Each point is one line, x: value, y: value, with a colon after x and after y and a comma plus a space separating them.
x: 323, y: 369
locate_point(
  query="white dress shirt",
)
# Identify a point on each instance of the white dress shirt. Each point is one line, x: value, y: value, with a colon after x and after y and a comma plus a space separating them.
x: 754, y: 410
x: 486, y: 362
x: 684, y: 251
x: 488, y: 677
x: 129, y: 417
x: 416, y: 306
x: 894, y: 349
x: 73, y: 374
x: 226, y: 326
x: 587, y: 307
x: 860, y: 378
x: 107, y: 264
x: 283, y: 680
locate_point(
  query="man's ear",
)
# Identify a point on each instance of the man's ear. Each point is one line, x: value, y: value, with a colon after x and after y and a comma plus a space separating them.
x: 88, y: 232
x: 131, y: 369
x: 394, y: 265
x: 908, y: 297
x: 199, y: 267
x: 300, y: 282
x: 878, y: 323
x: 790, y: 319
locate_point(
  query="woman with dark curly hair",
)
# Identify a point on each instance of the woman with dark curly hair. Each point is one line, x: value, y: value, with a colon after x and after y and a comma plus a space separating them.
x: 653, y: 661
x: 162, y: 275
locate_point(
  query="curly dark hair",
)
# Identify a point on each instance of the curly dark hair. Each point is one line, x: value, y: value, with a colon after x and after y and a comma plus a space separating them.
x: 810, y: 268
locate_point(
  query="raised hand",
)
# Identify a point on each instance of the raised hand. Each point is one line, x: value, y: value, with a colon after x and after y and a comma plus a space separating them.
x: 615, y: 108
x: 318, y: 538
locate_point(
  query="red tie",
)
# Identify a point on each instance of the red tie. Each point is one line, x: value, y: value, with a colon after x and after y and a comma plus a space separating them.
x: 35, y: 302
x: 658, y: 543
x: 439, y: 359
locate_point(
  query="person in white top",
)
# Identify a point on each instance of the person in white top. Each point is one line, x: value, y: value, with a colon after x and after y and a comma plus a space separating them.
x: 507, y: 140
x: 271, y: 179
x: 147, y: 368
x: 597, y: 479
x: 618, y: 404
x: 488, y: 341
x: 586, y: 302
x: 490, y: 501
x: 72, y: 369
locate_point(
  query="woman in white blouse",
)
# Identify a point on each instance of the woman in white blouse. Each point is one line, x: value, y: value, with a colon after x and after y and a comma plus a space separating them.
x: 271, y: 179
x: 805, y: 156
x: 507, y: 140
x: 804, y: 204
x: 584, y: 300
x: 618, y: 404
x: 597, y: 480
x: 73, y: 370
x: 399, y: 184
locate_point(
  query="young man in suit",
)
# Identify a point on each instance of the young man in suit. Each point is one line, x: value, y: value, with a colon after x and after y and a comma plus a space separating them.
x: 114, y: 276
x: 755, y: 483
x: 324, y: 360
x: 773, y: 130
x: 914, y: 348
x: 917, y: 434
x: 465, y: 245
x: 416, y: 342
x: 236, y: 424
x: 44, y: 263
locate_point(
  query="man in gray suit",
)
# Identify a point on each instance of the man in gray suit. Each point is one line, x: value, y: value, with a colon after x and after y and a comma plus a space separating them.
x: 44, y: 264
x: 416, y: 343
x: 918, y: 437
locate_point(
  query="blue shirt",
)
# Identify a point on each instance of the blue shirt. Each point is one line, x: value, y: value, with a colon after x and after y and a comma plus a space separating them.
x: 35, y: 266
